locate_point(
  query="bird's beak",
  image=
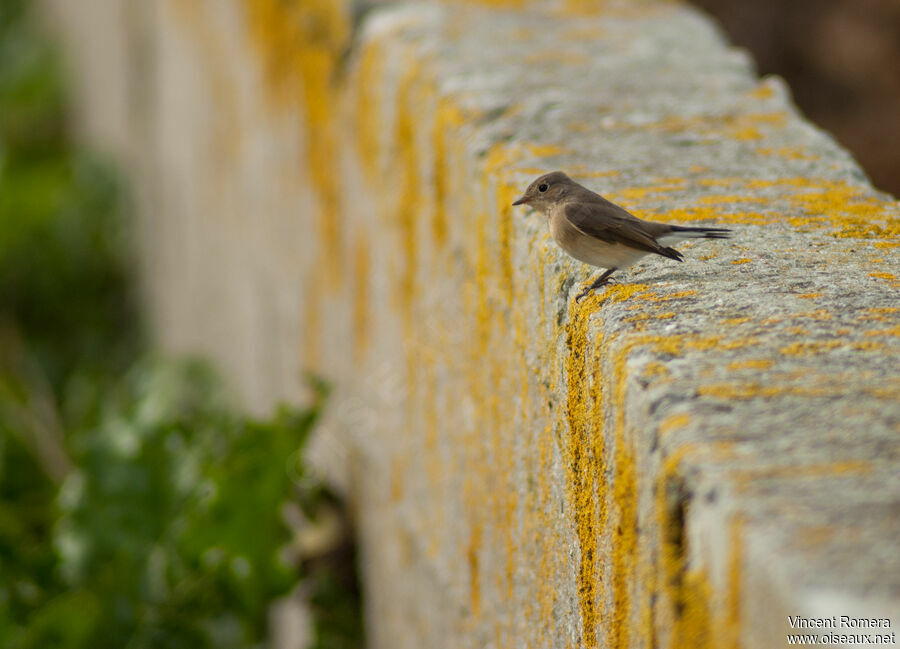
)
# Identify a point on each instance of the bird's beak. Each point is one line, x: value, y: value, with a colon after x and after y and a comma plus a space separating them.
x: 520, y: 200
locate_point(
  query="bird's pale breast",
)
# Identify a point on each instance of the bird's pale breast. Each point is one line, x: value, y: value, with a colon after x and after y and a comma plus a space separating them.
x: 588, y: 249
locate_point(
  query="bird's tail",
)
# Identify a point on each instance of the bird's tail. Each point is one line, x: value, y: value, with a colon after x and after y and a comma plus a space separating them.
x: 700, y: 233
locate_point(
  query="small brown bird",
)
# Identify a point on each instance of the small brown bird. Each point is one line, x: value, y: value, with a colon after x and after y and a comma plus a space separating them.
x: 600, y: 233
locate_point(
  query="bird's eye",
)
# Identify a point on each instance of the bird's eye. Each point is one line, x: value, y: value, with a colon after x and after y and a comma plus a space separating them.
x: 542, y: 188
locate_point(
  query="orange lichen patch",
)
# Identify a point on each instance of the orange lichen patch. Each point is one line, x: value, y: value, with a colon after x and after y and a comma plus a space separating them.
x: 853, y: 209
x: 757, y: 364
x: 709, y: 214
x: 398, y: 469
x: 844, y: 467
x: 882, y: 276
x: 735, y: 321
x: 878, y: 314
x: 746, y: 126
x: 665, y: 316
x: 623, y: 521
x: 888, y: 394
x: 672, y: 422
x: 671, y: 345
x: 763, y: 90
x: 809, y: 348
x: 808, y: 296
x: 532, y: 171
x: 506, y: 193
x: 367, y: 105
x: 867, y: 346
x: 885, y: 244
x: 624, y: 527
x: 729, y: 200
x: 578, y: 171
x: 405, y: 171
x: 622, y: 292
x: 720, y: 182
x: 501, y: 4
x: 632, y: 194
x: 789, y: 152
x: 685, y: 603
x: 503, y: 158
x: 676, y: 296
x: 818, y: 314
x: 744, y: 260
x: 226, y: 141
x: 744, y: 391
x: 655, y: 369
x: 717, y: 342
x: 543, y: 150
x: 583, y: 8
x: 728, y: 628
x: 301, y: 45
x: 895, y: 331
x: 585, y: 455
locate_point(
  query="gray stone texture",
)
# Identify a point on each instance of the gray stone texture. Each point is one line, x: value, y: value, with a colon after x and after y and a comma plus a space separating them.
x: 684, y: 459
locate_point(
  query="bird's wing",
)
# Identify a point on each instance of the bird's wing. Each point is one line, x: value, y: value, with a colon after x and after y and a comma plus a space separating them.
x: 610, y: 223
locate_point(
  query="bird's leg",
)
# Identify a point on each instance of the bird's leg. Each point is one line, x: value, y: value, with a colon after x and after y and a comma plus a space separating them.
x: 600, y: 281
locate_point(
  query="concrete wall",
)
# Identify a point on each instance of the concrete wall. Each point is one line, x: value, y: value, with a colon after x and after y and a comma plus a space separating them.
x: 684, y: 459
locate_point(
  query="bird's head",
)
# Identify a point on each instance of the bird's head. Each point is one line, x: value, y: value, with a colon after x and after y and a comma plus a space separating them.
x: 546, y: 190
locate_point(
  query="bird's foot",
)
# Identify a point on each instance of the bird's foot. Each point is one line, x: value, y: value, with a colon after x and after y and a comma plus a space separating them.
x: 600, y: 282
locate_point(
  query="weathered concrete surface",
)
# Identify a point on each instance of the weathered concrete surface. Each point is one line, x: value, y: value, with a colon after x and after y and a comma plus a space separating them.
x: 683, y: 460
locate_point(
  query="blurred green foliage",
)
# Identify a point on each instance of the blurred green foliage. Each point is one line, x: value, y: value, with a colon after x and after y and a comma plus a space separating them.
x: 137, y: 507
x: 63, y: 274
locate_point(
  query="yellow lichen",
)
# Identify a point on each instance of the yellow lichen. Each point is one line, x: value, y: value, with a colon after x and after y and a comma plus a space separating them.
x: 585, y: 457
x: 818, y: 314
x: 895, y: 331
x: 447, y: 118
x: 789, y: 152
x: 745, y: 391
x: 809, y: 348
x: 405, y: 170
x: 655, y: 369
x: 758, y: 364
x: 763, y: 90
x: 678, y: 420
x: 301, y: 44
x: 368, y: 116
x: 843, y: 467
x: 685, y: 605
